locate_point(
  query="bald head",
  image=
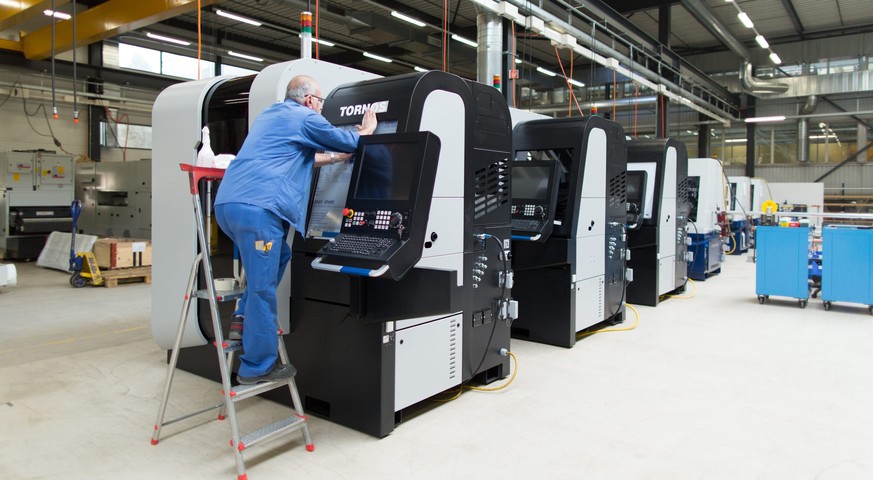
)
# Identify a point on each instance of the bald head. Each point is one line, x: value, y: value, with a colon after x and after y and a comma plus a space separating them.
x: 301, y: 86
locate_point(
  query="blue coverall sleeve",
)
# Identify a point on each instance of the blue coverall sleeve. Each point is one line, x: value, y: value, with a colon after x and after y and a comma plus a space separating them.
x: 318, y: 133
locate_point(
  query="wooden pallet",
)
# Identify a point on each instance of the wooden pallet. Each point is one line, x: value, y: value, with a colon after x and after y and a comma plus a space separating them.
x: 111, y: 278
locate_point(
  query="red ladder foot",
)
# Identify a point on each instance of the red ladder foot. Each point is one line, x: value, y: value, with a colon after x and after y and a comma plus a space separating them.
x: 310, y: 447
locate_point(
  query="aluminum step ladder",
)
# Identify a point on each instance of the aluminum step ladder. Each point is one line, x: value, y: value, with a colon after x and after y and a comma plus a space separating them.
x: 226, y: 350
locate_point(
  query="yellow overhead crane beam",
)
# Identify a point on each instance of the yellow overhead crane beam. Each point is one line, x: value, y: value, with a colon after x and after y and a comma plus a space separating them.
x: 106, y: 20
x: 11, y: 16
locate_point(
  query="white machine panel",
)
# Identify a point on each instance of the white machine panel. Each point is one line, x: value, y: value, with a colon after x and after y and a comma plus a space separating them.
x: 666, y: 274
x: 710, y: 196
x: 55, y: 171
x: 667, y: 230
x: 428, y: 360
x: 650, y: 169
x: 443, y: 115
x: 591, y: 218
x: 743, y: 186
x: 589, y: 302
x: 590, y: 257
x: 669, y: 190
x: 594, y: 178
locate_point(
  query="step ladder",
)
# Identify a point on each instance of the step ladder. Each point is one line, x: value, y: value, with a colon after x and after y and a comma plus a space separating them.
x: 226, y: 350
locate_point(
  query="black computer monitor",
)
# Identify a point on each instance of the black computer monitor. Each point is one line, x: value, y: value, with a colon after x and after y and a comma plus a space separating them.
x: 636, y: 187
x: 531, y: 182
x: 387, y: 171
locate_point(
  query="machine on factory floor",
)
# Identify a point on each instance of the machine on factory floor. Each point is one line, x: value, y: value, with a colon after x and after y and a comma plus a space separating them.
x: 569, y: 212
x: 706, y: 196
x: 36, y: 188
x: 740, y: 206
x: 227, y: 105
x: 116, y: 198
x: 658, y: 248
x: 377, y: 329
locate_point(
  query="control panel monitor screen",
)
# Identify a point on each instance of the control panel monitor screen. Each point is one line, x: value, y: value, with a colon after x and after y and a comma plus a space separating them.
x: 636, y: 182
x: 387, y: 171
x: 530, y: 182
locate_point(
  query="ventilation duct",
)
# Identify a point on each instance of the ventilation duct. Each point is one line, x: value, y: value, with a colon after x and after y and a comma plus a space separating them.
x: 489, y: 52
x: 704, y: 14
x: 803, y: 128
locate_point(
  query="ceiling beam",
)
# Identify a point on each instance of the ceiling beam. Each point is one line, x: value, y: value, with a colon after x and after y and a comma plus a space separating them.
x: 106, y: 20
x: 10, y: 17
x: 792, y: 14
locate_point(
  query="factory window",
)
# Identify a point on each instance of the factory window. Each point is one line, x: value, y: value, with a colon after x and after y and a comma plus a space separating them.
x: 139, y: 58
x: 122, y: 135
x: 234, y: 70
x: 185, y: 67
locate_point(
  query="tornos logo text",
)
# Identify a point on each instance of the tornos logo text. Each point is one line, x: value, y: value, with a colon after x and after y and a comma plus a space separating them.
x: 351, y: 110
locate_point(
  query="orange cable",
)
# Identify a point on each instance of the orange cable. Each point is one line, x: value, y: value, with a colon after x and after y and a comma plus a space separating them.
x: 569, y: 100
x: 572, y: 95
x: 199, y: 39
x: 316, y: 29
x: 445, y: 33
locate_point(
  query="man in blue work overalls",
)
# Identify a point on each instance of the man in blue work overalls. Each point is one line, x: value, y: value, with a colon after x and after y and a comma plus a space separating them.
x: 264, y: 194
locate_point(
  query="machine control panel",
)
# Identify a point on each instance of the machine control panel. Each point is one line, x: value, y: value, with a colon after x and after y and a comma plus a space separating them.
x: 388, y: 203
x: 534, y: 196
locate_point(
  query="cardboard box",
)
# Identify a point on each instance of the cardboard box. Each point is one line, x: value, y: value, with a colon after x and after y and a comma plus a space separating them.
x: 115, y: 253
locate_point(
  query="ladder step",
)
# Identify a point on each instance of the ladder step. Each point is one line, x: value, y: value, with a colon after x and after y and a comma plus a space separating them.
x: 242, y: 392
x: 230, y: 345
x: 274, y: 430
x: 221, y: 295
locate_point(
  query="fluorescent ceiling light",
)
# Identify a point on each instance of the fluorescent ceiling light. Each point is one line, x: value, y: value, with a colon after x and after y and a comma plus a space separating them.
x: 61, y: 15
x: 775, y: 58
x: 419, y: 69
x: 736, y: 140
x: 247, y: 57
x: 377, y: 57
x: 233, y: 16
x: 321, y: 41
x: 575, y: 82
x: 546, y: 72
x: 167, y: 39
x: 465, y: 41
x: 762, y: 41
x: 405, y: 18
x: 775, y: 118
x: 518, y: 60
x: 745, y: 19
x: 11, y: 3
x: 822, y: 137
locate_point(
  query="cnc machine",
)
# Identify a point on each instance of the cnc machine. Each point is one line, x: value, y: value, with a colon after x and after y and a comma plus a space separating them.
x: 706, y: 194
x: 568, y: 227
x: 740, y: 206
x: 401, y: 293
x: 658, y: 248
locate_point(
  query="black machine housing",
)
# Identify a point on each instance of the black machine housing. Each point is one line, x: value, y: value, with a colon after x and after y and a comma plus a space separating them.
x: 345, y: 328
x: 658, y: 247
x: 574, y: 279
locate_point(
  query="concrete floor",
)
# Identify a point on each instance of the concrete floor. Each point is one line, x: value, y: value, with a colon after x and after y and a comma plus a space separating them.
x: 713, y: 387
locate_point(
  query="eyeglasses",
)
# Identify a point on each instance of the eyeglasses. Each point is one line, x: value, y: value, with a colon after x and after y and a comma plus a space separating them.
x: 321, y: 99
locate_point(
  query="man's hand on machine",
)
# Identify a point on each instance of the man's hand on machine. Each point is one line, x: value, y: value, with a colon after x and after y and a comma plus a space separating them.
x: 368, y: 125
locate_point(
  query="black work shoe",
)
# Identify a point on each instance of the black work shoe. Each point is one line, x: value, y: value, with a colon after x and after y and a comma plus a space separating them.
x: 278, y: 373
x: 236, y: 328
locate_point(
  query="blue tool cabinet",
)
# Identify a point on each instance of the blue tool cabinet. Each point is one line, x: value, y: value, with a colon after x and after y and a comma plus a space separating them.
x: 847, y: 273
x: 782, y: 263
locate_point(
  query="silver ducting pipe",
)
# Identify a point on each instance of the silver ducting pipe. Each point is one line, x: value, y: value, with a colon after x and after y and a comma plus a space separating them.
x: 803, y: 128
x: 809, y: 105
x: 704, y: 14
x: 489, y: 36
x: 803, y: 140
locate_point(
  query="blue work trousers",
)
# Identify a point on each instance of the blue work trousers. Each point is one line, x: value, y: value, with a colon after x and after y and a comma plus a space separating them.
x: 260, y: 235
